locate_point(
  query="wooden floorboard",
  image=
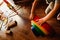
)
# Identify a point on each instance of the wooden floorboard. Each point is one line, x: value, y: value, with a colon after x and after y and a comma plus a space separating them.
x: 23, y: 30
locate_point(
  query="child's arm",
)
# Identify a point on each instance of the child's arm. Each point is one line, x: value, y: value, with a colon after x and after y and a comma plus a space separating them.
x: 33, y: 9
x: 51, y: 13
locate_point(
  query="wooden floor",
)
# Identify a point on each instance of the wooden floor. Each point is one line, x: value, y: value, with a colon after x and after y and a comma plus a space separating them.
x: 23, y: 29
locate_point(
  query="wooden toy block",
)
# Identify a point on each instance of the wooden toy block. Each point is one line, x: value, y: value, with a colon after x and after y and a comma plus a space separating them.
x: 11, y: 25
x: 10, y: 6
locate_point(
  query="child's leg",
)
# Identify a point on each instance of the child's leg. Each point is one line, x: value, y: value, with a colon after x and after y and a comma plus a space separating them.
x: 58, y: 17
x: 49, y: 8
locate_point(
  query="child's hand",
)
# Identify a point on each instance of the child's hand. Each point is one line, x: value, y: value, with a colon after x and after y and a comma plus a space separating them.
x: 40, y: 21
x: 31, y: 16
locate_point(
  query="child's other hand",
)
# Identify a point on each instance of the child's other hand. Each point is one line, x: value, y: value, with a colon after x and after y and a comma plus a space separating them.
x: 40, y: 21
x: 31, y: 16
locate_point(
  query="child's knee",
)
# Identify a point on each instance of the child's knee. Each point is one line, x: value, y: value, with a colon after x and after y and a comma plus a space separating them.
x: 49, y: 8
x: 58, y: 16
x: 48, y: 1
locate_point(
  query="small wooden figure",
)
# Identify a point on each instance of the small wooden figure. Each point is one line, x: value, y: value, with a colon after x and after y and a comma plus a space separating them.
x: 6, y: 28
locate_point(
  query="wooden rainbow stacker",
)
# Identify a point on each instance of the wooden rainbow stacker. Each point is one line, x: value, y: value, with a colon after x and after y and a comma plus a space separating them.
x: 44, y: 29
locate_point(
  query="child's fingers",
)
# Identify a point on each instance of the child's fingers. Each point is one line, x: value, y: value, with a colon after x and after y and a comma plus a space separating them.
x: 37, y: 20
x: 40, y: 21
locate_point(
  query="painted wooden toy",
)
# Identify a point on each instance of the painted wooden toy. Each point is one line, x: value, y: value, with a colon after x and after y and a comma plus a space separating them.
x: 44, y: 29
x: 10, y: 6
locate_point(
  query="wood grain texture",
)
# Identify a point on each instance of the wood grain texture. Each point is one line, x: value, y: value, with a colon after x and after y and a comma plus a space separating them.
x: 23, y: 29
